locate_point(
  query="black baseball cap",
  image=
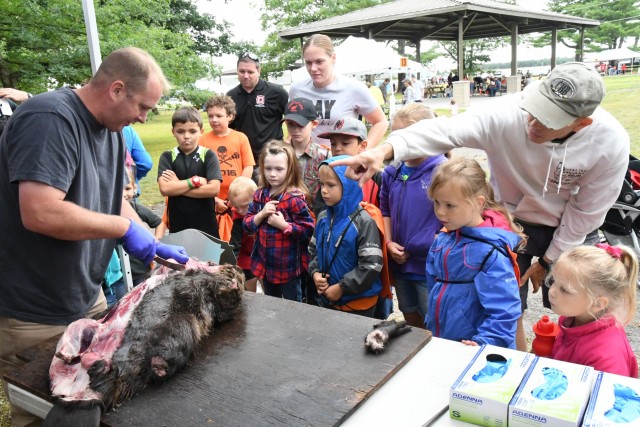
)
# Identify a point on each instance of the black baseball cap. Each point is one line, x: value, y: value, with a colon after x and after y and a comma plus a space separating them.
x: 301, y: 111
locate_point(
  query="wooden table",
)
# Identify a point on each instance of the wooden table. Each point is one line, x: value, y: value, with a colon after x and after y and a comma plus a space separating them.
x: 277, y: 363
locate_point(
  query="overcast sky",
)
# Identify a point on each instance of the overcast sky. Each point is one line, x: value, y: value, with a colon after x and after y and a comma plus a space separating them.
x: 244, y: 15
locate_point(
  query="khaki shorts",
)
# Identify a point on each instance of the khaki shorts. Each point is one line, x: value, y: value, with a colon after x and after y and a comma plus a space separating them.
x: 15, y: 336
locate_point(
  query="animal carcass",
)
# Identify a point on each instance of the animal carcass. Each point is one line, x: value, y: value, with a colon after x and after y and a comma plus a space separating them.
x: 149, y: 335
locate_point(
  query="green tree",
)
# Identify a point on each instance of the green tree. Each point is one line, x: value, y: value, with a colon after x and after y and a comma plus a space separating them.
x: 619, y: 21
x: 428, y: 56
x: 280, y: 55
x: 477, y: 51
x: 43, y: 43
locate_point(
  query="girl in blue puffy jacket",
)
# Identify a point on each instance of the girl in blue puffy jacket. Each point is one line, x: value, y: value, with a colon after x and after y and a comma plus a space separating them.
x: 471, y: 269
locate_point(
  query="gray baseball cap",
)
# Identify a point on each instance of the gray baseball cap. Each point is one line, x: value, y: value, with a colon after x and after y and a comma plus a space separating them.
x: 571, y: 90
x: 347, y: 126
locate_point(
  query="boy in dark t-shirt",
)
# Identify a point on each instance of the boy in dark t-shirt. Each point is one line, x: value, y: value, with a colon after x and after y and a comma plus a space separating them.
x: 189, y: 175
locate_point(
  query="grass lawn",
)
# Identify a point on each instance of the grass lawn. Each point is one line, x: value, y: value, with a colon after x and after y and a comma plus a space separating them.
x: 619, y: 101
x: 157, y: 138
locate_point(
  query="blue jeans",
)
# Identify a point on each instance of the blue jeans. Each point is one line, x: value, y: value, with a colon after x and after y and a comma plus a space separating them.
x: 413, y: 296
x: 384, y: 308
x: 291, y: 290
x: 114, y: 292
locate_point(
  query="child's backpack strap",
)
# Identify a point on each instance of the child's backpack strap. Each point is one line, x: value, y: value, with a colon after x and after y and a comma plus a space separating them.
x: 374, y: 212
x: 504, y: 250
x: 325, y: 151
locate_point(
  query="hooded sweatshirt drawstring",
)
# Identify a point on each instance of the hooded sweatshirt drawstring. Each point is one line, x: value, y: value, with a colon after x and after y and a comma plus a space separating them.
x: 546, y: 180
x: 564, y: 159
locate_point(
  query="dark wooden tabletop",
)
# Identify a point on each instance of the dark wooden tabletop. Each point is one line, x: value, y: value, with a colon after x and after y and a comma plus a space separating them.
x: 276, y: 363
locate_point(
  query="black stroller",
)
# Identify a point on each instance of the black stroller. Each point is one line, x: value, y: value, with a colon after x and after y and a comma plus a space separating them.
x: 622, y: 224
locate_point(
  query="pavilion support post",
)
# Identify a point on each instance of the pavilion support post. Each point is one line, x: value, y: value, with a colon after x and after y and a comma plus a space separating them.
x: 461, y: 48
x: 514, y: 48
x: 302, y: 50
x: 92, y: 34
x: 554, y: 45
x: 462, y: 93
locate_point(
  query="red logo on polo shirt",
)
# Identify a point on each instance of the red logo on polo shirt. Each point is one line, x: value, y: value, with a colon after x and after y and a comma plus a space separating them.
x: 259, y: 99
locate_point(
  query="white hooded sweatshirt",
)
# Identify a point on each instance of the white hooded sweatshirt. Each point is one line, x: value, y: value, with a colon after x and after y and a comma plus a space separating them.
x: 569, y: 185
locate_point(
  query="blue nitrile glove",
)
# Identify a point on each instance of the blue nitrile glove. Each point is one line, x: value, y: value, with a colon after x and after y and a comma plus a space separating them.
x: 139, y: 243
x: 626, y: 407
x: 493, y: 370
x: 172, y: 252
x: 555, y: 385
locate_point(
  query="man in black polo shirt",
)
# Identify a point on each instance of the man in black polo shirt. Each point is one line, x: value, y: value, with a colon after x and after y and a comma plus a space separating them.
x: 259, y: 106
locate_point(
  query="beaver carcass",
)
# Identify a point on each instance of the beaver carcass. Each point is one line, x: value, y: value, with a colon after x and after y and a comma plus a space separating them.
x: 148, y: 336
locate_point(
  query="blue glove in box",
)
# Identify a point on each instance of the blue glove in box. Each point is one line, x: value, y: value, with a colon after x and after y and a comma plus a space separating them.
x: 552, y: 393
x: 482, y: 393
x: 615, y: 401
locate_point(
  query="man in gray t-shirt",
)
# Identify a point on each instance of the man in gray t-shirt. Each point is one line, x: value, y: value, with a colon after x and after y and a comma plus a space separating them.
x: 61, y: 206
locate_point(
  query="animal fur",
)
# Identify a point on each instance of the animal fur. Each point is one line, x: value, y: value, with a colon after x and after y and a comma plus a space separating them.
x: 165, y: 330
x: 376, y: 340
x: 148, y: 336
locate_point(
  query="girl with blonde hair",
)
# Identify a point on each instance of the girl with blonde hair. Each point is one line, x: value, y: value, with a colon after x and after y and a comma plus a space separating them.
x: 593, y: 289
x: 472, y: 276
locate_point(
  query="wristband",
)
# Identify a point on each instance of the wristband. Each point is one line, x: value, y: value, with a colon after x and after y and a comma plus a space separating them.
x: 189, y: 183
x: 544, y: 263
x: 195, y: 180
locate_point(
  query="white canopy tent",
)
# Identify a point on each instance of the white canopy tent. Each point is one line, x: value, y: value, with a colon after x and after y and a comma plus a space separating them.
x: 611, y: 55
x: 357, y: 56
